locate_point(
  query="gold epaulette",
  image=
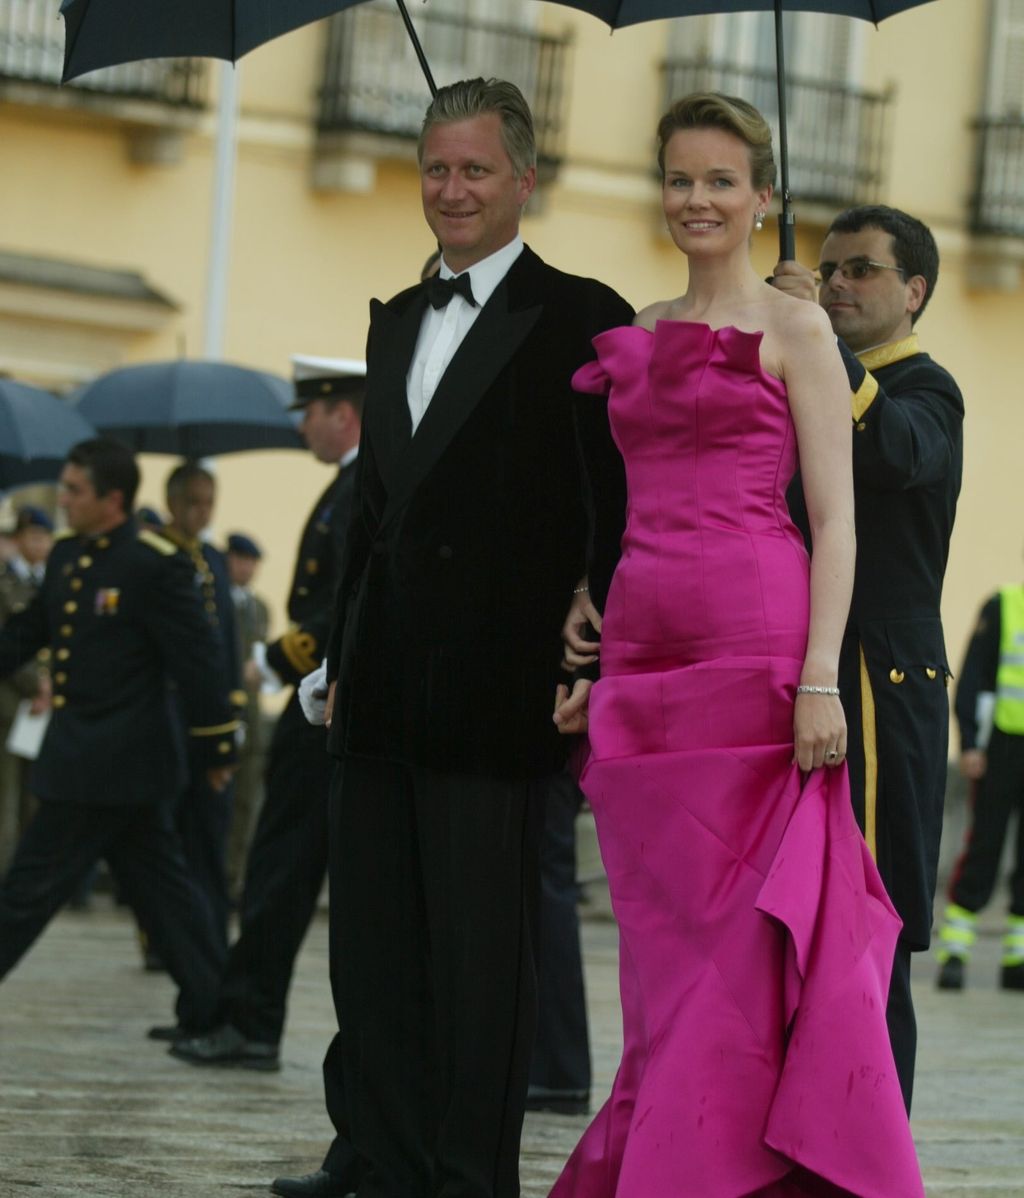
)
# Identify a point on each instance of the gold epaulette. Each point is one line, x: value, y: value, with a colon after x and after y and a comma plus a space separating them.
x: 299, y: 647
x: 154, y: 541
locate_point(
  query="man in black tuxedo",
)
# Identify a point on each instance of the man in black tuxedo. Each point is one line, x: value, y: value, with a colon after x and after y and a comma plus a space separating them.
x: 878, y: 271
x: 470, y: 527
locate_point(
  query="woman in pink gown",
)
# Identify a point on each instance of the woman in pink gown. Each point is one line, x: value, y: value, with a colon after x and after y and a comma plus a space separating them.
x: 756, y: 937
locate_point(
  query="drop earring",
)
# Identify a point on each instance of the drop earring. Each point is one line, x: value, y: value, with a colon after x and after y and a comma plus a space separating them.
x: 759, y: 221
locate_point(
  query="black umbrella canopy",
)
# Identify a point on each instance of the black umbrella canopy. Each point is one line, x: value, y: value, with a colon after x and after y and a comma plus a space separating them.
x: 105, y: 33
x: 192, y: 409
x: 620, y: 13
x: 36, y: 431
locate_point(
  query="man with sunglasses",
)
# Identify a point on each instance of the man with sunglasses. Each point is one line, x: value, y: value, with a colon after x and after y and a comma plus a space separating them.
x: 877, y: 272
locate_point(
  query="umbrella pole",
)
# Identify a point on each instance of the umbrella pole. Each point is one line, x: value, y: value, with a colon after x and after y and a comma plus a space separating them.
x: 787, y: 221
x: 414, y: 38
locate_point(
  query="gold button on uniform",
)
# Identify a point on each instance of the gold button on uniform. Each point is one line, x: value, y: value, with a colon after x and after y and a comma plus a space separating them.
x: 71, y: 607
x: 59, y: 701
x: 103, y: 543
x: 930, y: 672
x: 85, y: 561
x: 896, y: 676
x: 76, y: 584
x: 60, y: 678
x: 861, y: 426
x: 66, y: 630
x: 224, y: 747
x: 63, y: 654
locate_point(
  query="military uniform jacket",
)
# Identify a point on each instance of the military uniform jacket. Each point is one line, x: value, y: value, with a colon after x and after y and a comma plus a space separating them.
x: 315, y: 581
x: 467, y: 538
x: 907, y: 466
x: 210, y: 576
x: 16, y: 593
x: 123, y: 619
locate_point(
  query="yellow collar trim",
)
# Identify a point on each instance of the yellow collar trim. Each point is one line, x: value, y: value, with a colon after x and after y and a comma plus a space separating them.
x: 894, y: 351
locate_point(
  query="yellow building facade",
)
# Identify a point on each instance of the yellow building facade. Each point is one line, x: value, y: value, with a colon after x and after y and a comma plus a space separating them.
x: 106, y: 193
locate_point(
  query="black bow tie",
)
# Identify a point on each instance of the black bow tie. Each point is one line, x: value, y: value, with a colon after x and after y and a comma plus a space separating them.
x: 440, y: 291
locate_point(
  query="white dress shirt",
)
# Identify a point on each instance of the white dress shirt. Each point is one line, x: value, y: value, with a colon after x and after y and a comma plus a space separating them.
x: 443, y: 329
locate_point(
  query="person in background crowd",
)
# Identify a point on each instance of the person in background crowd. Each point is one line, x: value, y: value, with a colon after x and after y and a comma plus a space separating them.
x: 252, y: 624
x: 288, y: 858
x: 204, y: 815
x: 119, y: 610
x: 21, y: 576
x: 990, y: 713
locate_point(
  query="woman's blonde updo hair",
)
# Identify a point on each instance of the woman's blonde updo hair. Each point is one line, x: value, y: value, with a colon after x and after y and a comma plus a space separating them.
x: 711, y: 110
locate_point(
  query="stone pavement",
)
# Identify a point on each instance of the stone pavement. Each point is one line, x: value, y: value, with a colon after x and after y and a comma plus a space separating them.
x: 88, y: 1106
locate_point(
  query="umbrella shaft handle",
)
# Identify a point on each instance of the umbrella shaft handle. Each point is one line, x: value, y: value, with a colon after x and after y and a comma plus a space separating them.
x: 787, y: 236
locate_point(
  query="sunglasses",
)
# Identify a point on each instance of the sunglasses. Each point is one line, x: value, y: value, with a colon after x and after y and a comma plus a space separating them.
x: 854, y: 269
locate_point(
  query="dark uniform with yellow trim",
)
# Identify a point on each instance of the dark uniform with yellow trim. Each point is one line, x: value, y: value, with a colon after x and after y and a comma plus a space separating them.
x: 907, y: 466
x: 121, y: 614
x: 204, y: 815
x: 288, y: 858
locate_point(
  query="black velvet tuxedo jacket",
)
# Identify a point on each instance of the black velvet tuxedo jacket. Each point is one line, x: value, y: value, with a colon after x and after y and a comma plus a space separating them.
x: 893, y: 670
x: 467, y: 538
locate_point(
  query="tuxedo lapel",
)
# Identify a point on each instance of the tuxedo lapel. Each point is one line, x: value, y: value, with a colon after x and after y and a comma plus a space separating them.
x: 494, y: 338
x: 388, y: 423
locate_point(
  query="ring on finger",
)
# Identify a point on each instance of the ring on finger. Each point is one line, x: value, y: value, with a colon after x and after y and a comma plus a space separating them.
x: 832, y: 754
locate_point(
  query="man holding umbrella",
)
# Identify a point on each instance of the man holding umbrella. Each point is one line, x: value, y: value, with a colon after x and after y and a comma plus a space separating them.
x: 878, y: 270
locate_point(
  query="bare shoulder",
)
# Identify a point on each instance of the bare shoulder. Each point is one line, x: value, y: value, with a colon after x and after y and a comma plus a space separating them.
x: 796, y: 320
x: 648, y: 317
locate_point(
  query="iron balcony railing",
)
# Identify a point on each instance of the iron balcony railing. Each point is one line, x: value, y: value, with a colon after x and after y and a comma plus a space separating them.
x: 997, y: 204
x: 372, y: 82
x: 32, y: 51
x: 837, y: 133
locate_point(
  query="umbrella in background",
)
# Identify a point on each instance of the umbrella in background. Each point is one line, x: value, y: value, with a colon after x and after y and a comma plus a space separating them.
x: 620, y: 13
x: 36, y: 431
x: 191, y: 409
x: 104, y: 33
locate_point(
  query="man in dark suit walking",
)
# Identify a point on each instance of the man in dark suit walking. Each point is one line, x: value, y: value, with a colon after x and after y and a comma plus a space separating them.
x: 470, y: 524
x: 288, y: 858
x: 119, y: 609
x: 878, y: 270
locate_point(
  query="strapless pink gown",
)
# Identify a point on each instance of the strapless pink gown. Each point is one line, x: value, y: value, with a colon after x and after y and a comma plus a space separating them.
x: 756, y: 939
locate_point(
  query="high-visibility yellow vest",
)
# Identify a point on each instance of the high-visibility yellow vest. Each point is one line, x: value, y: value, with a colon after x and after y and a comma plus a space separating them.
x: 1009, y: 713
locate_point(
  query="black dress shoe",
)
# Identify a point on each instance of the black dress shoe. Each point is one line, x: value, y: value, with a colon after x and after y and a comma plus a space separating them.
x: 226, y: 1046
x: 559, y: 1102
x: 171, y: 1032
x: 313, y: 1185
x: 951, y: 975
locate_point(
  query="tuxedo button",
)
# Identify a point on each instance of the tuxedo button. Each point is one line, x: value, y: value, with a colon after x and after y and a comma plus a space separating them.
x: 445, y: 553
x: 379, y: 547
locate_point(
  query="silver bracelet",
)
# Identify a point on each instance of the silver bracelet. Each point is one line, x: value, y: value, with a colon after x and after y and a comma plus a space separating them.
x: 580, y: 590
x: 817, y: 690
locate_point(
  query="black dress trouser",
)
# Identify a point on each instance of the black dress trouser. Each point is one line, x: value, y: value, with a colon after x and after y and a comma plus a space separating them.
x: 997, y: 796
x: 434, y: 888
x: 284, y: 875
x: 60, y: 846
x: 561, y: 1053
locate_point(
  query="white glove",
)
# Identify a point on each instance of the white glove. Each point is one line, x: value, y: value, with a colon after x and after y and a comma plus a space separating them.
x: 313, y: 695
